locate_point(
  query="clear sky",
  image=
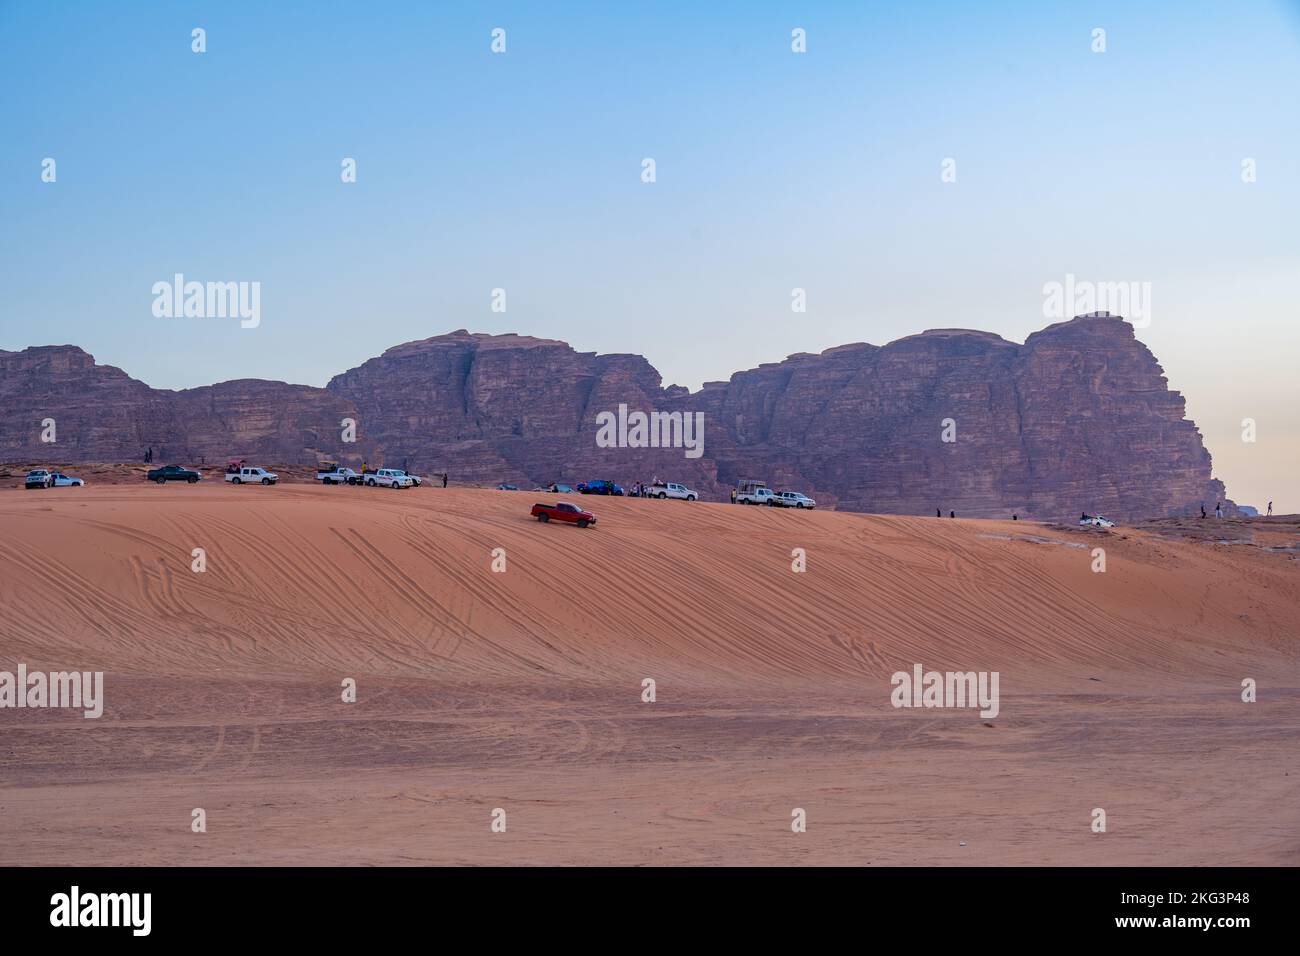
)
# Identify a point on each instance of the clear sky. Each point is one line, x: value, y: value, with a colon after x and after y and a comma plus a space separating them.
x: 774, y: 170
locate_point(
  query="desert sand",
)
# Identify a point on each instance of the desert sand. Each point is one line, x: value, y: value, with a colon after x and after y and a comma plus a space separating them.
x: 522, y: 690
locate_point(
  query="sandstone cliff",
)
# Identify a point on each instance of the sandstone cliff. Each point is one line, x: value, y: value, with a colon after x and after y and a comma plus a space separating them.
x: 1078, y: 418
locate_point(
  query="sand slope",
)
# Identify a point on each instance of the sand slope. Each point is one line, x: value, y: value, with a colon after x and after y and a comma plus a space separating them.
x: 522, y: 689
x: 315, y: 581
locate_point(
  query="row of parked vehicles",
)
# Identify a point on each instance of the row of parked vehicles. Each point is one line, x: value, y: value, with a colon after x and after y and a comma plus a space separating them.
x: 332, y: 474
x: 44, y: 478
x: 751, y: 492
x: 748, y: 492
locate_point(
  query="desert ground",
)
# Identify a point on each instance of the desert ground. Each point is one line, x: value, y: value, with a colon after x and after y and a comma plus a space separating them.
x: 522, y: 690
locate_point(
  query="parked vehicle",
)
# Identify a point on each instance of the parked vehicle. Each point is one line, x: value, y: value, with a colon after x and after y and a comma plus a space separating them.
x: 1096, y: 521
x: 388, y: 478
x: 252, y: 476
x: 670, y: 489
x: 39, y: 478
x: 507, y: 487
x: 600, y: 487
x: 173, y: 473
x: 750, y: 492
x: 793, y: 499
x: 558, y: 488
x: 67, y: 481
x: 415, y: 479
x: 332, y: 474
x: 563, y: 511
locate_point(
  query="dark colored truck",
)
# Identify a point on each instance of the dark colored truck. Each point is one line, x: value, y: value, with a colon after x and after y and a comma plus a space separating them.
x: 173, y: 473
x: 600, y: 487
x: 563, y: 511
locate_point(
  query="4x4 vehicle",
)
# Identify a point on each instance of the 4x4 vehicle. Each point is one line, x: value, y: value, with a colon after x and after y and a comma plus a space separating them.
x: 793, y: 499
x: 39, y: 478
x: 332, y: 474
x: 671, y: 489
x: 754, y: 493
x: 173, y: 473
x: 600, y: 487
x: 563, y: 511
x: 252, y: 476
x: 389, y: 478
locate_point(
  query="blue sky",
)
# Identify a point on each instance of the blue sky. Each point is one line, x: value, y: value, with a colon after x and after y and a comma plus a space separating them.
x: 775, y: 170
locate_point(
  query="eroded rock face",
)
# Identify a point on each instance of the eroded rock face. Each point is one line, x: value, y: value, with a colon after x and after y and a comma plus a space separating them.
x: 1078, y: 418
x: 102, y: 414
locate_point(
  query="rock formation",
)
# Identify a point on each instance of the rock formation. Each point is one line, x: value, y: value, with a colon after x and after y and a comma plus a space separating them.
x: 1078, y: 418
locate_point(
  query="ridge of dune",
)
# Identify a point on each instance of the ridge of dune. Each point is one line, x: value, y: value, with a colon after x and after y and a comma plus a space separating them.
x: 304, y: 580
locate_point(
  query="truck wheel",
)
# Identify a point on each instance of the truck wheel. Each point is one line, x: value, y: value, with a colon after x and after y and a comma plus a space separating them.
x: 191, y: 480
x: 161, y: 479
x: 582, y: 522
x: 662, y: 495
x: 235, y: 481
x: 395, y: 486
x: 371, y: 482
x: 690, y: 497
x: 543, y: 517
x: 266, y: 481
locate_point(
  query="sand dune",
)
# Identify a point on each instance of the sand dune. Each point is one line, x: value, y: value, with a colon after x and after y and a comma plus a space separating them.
x: 522, y: 689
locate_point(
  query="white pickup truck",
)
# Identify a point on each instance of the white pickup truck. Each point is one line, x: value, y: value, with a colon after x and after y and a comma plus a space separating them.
x: 793, y: 499
x: 389, y: 478
x: 252, y: 476
x: 754, y: 493
x: 671, y: 489
x: 337, y: 475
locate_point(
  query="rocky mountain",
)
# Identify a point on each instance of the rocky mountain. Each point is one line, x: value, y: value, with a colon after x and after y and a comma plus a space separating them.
x: 1078, y: 418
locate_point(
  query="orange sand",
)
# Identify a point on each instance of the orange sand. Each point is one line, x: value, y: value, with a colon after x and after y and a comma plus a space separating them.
x: 522, y: 690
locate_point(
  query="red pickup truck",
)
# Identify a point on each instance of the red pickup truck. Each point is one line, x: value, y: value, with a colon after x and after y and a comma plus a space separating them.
x: 563, y: 511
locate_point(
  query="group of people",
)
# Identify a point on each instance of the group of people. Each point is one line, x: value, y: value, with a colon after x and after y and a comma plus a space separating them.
x: 641, y: 490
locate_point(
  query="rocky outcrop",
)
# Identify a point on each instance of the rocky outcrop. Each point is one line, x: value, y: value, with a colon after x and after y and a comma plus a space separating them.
x: 1078, y: 418
x: 102, y: 414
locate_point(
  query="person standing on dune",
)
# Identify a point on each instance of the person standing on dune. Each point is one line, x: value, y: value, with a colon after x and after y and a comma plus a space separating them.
x: 1270, y: 509
x: 444, y: 479
x: 1202, y: 510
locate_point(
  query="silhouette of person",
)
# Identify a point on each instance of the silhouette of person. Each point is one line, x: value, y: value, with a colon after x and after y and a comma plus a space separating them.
x: 1202, y: 511
x: 1218, y: 509
x: 444, y: 479
x: 938, y: 513
x: 952, y: 514
x: 1270, y: 509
